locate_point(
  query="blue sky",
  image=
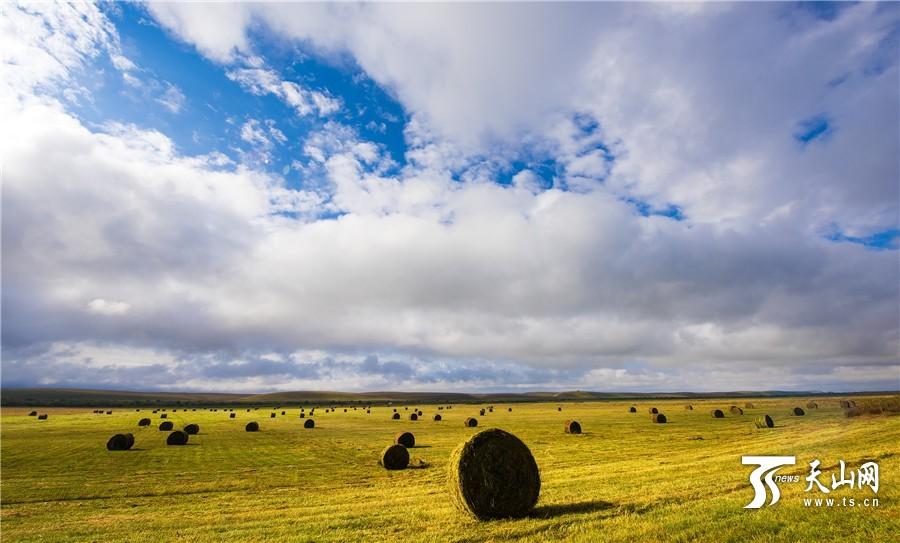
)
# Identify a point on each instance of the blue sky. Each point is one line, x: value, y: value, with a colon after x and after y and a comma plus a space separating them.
x: 615, y: 197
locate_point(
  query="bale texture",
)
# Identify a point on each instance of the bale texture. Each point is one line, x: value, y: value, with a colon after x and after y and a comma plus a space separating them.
x: 177, y: 438
x: 493, y: 475
x: 407, y: 439
x: 394, y: 457
x: 573, y: 427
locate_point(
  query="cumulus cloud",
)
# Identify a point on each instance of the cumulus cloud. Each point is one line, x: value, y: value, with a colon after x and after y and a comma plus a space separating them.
x: 432, y: 275
x: 262, y: 81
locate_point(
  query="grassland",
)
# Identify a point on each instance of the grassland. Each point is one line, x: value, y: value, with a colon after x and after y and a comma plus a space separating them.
x: 624, y: 479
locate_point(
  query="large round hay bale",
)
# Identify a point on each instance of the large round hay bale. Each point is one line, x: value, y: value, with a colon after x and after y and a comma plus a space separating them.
x: 130, y: 438
x: 494, y: 475
x: 573, y: 427
x: 42, y: 416
x: 812, y: 405
x: 32, y: 414
x: 192, y: 429
x: 407, y: 439
x: 232, y: 415
x: 252, y: 427
x: 165, y: 426
x: 471, y: 422
x: 177, y: 438
x: 653, y: 410
x: 119, y: 442
x: 144, y: 422
x: 798, y: 412
x: 765, y: 421
x: 394, y: 457
x: 717, y: 414
x: 632, y: 409
x: 689, y: 407
x: 437, y: 417
x: 395, y: 416
x: 413, y: 416
x: 658, y: 418
x: 309, y: 423
x: 735, y: 410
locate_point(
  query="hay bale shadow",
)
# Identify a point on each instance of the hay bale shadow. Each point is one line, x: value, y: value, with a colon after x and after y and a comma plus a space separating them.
x: 550, y: 511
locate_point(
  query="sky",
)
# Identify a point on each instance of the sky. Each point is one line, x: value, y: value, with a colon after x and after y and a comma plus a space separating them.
x: 466, y: 197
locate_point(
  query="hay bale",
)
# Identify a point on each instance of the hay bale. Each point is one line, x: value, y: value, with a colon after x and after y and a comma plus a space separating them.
x: 717, y: 414
x: 736, y: 410
x: 309, y: 423
x: 302, y: 415
x: 120, y: 442
x: 658, y: 418
x: 437, y: 418
x: 144, y: 422
x: 165, y: 426
x: 559, y: 408
x: 413, y: 416
x: 164, y: 416
x: 252, y: 427
x: 232, y: 415
x: 632, y: 409
x: 34, y: 414
x: 471, y: 422
x: 272, y: 416
x: 395, y: 416
x: 852, y: 412
x: 765, y: 421
x: 748, y: 405
x: 689, y: 407
x: 42, y: 416
x: 493, y: 475
x: 798, y: 412
x: 812, y: 405
x: 419, y: 413
x: 284, y: 413
x: 573, y: 427
x: 177, y: 438
x: 653, y: 410
x: 481, y: 412
x: 490, y: 409
x: 846, y: 404
x: 109, y: 412
x: 510, y: 410
x: 368, y: 411
x: 394, y: 457
x: 192, y: 429
x: 407, y: 439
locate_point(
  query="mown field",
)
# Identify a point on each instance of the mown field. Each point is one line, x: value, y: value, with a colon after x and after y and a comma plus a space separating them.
x: 623, y: 479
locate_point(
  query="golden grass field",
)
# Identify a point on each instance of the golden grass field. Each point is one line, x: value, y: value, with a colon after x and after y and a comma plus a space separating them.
x: 623, y: 479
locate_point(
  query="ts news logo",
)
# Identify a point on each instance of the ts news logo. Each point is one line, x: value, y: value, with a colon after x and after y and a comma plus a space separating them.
x: 768, y: 466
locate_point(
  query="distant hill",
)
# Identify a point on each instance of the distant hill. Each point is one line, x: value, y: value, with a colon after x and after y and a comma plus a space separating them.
x: 73, y: 397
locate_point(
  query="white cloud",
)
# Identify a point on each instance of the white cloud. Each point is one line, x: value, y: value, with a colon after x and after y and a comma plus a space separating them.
x: 172, y: 98
x: 262, y: 81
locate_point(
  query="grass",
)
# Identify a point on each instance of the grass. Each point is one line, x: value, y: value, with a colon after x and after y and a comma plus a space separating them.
x: 623, y: 479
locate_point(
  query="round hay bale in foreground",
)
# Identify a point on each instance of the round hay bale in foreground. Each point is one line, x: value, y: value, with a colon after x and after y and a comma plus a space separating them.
x: 144, y: 422
x: 413, y: 416
x: 177, y: 438
x: 165, y: 426
x: 471, y: 422
x: 252, y: 427
x: 232, y: 415
x: 653, y: 410
x: 632, y: 409
x: 407, y: 439
x: 394, y: 457
x: 493, y: 475
x: 32, y: 414
x: 573, y: 427
x: 119, y: 442
x: 798, y: 412
x: 717, y: 414
x: 765, y: 421
x: 437, y: 418
x: 658, y: 418
x: 192, y: 429
x: 395, y: 416
x: 42, y: 416
x: 309, y: 423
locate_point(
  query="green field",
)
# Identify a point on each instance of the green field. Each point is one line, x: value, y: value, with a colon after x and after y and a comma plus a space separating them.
x: 624, y: 479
